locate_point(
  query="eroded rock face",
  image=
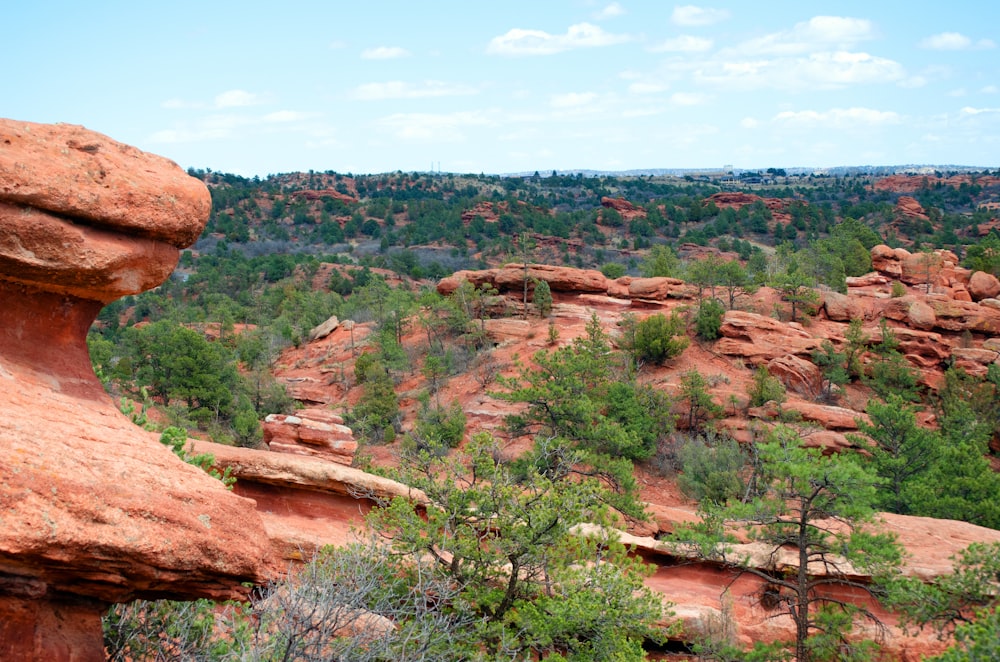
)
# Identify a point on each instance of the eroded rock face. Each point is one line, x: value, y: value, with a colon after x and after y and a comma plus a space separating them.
x: 511, y: 278
x: 314, y: 432
x: 95, y: 509
x: 83, y: 214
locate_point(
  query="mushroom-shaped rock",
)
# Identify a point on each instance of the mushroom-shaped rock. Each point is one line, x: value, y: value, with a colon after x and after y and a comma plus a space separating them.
x: 95, y: 509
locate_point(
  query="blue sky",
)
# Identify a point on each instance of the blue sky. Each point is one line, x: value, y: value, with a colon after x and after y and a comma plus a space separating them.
x: 256, y: 88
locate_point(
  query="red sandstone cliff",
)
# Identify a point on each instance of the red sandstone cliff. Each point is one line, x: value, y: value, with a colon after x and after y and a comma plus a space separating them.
x: 95, y: 510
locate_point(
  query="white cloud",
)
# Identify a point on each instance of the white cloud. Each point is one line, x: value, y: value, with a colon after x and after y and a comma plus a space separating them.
x: 397, y: 89
x: 572, y: 99
x: 819, y: 33
x: 646, y: 88
x: 175, y: 104
x: 749, y: 123
x: 519, y: 41
x: 236, y: 99
x: 683, y: 44
x: 611, y: 11
x: 687, y: 98
x: 429, y: 127
x: 838, y: 118
x: 968, y: 110
x: 955, y: 41
x: 384, y: 53
x: 690, y: 15
x: 831, y: 70
x: 283, y: 116
x: 990, y: 89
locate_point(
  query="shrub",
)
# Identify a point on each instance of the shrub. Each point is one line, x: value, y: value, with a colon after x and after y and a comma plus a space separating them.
x: 712, y: 469
x: 543, y: 298
x: 708, y: 320
x: 897, y: 289
x: 765, y: 388
x: 613, y: 270
x: 659, y: 338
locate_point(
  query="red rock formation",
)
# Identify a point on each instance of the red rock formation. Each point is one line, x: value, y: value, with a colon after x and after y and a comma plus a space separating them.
x: 313, y: 195
x: 510, y: 278
x: 983, y: 286
x: 908, y: 207
x: 627, y: 210
x: 913, y: 183
x: 701, y: 592
x: 304, y: 502
x: 314, y: 432
x: 760, y: 339
x: 96, y: 510
x: 797, y: 374
x: 486, y: 210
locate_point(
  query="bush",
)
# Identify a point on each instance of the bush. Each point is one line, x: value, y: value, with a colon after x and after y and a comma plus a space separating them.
x: 712, y: 469
x: 765, y: 388
x: 708, y: 320
x: 613, y: 270
x: 659, y: 338
x: 897, y: 289
x: 542, y: 298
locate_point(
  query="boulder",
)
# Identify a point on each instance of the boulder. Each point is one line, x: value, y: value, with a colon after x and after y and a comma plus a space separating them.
x: 84, y: 215
x: 657, y: 289
x: 973, y: 360
x: 842, y: 308
x: 324, y: 329
x: 920, y: 315
x: 315, y: 432
x: 797, y: 374
x: 304, y: 502
x: 96, y: 510
x: 886, y: 262
x: 760, y: 339
x: 72, y: 172
x: 983, y: 286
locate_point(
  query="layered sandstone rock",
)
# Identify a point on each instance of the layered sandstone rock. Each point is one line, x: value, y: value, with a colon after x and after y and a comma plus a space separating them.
x: 760, y: 339
x: 511, y: 277
x: 314, y: 432
x: 96, y: 510
x: 304, y: 502
x: 703, y: 592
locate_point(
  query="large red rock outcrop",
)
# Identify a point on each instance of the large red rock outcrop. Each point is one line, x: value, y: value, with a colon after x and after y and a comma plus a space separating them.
x: 304, y: 502
x: 95, y: 509
x: 627, y: 210
x: 760, y: 339
x: 910, y: 208
x: 510, y: 278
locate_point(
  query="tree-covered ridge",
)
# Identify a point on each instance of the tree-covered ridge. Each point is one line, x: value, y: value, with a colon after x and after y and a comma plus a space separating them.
x: 591, y: 397
x: 440, y: 222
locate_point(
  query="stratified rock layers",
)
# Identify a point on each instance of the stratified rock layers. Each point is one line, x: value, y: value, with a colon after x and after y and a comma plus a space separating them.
x: 94, y: 509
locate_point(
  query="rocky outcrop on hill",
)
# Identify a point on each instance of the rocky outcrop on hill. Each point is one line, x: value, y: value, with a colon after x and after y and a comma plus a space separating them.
x: 304, y: 502
x: 908, y: 207
x: 702, y: 592
x: 511, y: 278
x: 760, y: 339
x: 314, y: 432
x: 627, y: 210
x: 95, y: 510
